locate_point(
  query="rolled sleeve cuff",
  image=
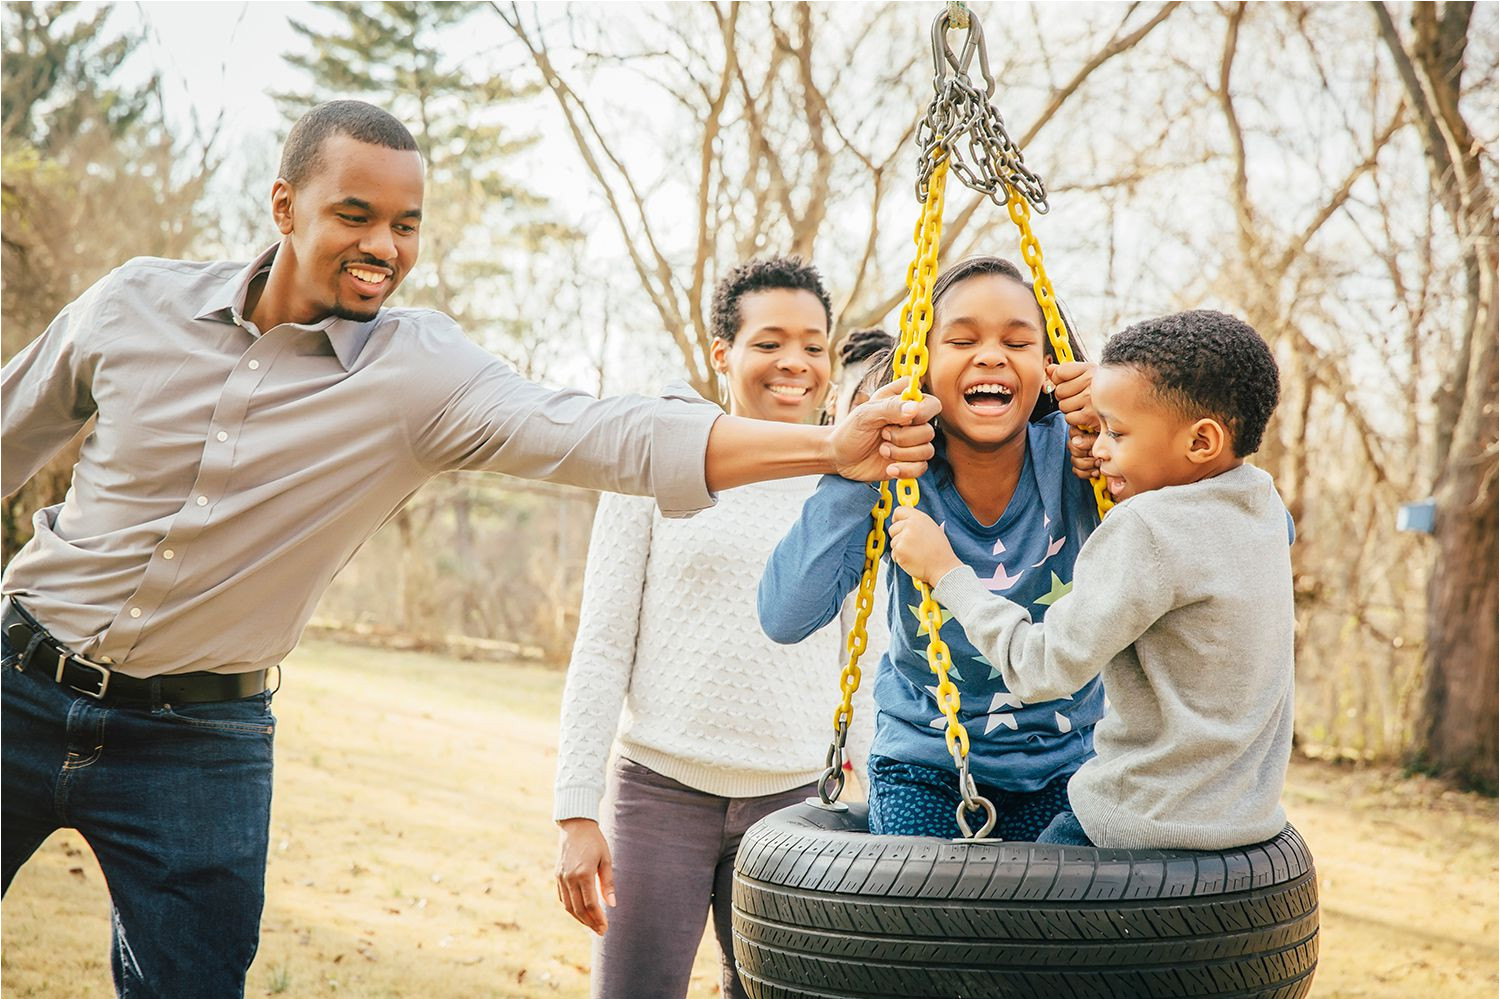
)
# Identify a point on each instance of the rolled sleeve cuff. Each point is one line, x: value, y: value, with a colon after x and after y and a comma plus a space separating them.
x: 961, y: 593
x: 679, y: 451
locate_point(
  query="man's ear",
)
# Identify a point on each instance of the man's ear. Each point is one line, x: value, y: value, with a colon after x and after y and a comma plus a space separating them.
x: 281, y: 206
x: 1207, y: 441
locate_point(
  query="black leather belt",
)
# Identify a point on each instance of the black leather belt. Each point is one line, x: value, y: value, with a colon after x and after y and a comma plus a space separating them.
x: 45, y: 656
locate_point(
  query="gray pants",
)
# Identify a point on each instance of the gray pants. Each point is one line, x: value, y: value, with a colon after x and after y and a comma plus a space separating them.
x: 673, y: 849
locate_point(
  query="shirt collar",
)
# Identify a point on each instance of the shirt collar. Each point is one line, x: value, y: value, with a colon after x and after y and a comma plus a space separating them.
x: 227, y: 304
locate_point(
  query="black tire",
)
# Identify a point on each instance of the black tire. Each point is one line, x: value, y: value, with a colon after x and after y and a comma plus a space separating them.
x: 824, y: 909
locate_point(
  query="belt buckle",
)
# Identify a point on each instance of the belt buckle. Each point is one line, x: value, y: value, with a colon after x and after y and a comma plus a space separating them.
x: 104, y: 675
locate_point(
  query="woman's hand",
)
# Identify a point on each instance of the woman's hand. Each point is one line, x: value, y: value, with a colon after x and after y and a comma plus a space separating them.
x: 1071, y: 383
x: 584, y: 872
x: 919, y: 546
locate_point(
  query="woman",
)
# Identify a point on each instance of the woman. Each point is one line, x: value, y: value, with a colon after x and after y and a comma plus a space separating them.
x: 721, y: 726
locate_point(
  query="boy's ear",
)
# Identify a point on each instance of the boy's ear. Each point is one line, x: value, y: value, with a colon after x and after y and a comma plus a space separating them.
x: 1207, y: 440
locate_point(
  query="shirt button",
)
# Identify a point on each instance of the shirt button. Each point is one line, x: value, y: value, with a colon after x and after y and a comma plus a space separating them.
x: 222, y: 436
x: 135, y: 612
x: 168, y: 554
x: 203, y: 501
x: 254, y: 365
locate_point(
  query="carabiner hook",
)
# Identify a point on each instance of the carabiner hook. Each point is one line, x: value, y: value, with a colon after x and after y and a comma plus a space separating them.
x: 943, y: 56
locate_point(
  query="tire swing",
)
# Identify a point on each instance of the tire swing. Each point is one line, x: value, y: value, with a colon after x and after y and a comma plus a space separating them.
x: 822, y: 908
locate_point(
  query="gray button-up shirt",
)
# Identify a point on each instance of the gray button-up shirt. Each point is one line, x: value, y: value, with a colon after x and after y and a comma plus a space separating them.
x: 232, y: 472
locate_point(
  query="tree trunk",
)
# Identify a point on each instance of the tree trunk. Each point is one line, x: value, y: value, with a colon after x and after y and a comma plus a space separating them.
x: 1457, y: 733
x: 1460, y: 710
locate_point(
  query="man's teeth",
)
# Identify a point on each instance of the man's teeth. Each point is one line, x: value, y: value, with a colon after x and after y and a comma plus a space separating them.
x: 373, y: 277
x: 791, y: 391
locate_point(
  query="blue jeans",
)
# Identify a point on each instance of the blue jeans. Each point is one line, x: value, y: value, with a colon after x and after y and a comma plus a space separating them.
x: 921, y: 801
x: 1065, y: 830
x: 175, y: 801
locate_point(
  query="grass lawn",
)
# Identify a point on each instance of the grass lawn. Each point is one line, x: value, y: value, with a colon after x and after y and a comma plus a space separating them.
x: 412, y: 854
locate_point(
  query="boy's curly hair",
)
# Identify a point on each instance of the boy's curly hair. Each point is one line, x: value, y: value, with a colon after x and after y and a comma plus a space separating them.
x: 1204, y: 363
x: 760, y: 275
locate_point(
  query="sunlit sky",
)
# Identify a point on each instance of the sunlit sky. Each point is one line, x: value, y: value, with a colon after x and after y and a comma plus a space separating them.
x: 227, y: 57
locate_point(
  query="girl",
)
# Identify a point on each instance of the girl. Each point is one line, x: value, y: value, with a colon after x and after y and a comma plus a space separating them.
x: 1002, y: 487
x: 860, y: 352
x: 721, y: 727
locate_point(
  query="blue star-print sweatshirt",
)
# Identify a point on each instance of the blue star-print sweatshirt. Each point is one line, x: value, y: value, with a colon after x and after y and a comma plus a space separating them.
x: 1027, y: 556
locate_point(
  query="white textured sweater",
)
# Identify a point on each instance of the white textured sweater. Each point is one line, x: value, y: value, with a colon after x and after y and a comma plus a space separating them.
x: 668, y: 631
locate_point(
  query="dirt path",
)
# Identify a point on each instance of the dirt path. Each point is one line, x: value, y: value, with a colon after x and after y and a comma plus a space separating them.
x: 411, y: 855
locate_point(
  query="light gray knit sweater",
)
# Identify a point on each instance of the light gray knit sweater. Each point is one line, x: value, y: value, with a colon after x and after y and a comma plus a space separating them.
x: 1183, y: 600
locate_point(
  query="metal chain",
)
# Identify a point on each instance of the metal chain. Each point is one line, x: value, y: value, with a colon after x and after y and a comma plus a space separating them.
x: 831, y: 785
x: 963, y: 127
x: 959, y: 110
x: 1046, y: 298
x: 911, y: 360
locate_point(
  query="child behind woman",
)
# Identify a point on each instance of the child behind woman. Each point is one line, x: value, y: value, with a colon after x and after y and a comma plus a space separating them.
x: 1183, y: 598
x: 1001, y: 482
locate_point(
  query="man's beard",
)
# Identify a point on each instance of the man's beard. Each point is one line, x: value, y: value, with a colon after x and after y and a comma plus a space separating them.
x: 355, y: 315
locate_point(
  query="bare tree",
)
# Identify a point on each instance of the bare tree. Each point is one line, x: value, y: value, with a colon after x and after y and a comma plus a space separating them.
x: 786, y: 129
x: 1459, y: 726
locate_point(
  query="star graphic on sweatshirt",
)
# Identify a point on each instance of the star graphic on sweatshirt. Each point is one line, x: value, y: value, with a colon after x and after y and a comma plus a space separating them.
x: 1059, y: 589
x: 1004, y: 699
x: 982, y: 660
x: 1001, y: 580
x: 1054, y: 546
x: 995, y: 720
x: 999, y: 548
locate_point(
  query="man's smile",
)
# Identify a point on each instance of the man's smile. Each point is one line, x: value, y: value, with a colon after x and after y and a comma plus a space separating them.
x: 367, y: 279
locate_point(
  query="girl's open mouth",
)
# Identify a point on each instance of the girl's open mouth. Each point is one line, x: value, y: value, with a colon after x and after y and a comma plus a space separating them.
x: 989, y: 399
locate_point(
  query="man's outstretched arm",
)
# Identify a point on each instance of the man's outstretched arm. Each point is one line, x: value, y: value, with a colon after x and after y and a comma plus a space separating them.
x: 886, y: 438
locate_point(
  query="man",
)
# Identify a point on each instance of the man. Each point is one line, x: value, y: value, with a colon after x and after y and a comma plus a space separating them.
x: 255, y: 425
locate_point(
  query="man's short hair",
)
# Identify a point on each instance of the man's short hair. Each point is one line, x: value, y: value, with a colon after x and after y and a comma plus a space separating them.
x: 764, y: 274
x: 1203, y: 363
x: 301, y: 156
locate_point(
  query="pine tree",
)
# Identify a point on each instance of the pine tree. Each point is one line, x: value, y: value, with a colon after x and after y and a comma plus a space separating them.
x: 93, y: 176
x: 476, y: 214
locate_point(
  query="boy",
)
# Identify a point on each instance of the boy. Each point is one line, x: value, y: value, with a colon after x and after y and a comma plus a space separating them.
x: 1182, y: 599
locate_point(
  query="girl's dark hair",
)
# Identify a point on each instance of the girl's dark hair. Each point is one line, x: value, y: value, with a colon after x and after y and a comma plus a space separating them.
x: 973, y: 267
x: 858, y: 345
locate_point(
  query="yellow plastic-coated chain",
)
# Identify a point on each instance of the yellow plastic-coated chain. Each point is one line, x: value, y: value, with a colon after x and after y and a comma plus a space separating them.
x: 1057, y: 331
x: 911, y: 360
x: 863, y: 603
